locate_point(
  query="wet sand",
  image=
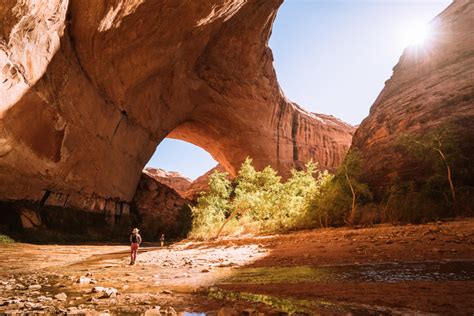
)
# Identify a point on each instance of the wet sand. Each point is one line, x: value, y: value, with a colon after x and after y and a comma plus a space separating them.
x: 207, y: 277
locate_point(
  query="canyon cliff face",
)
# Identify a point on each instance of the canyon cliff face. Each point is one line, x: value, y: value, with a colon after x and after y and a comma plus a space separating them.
x: 172, y: 179
x: 158, y: 209
x: 88, y: 89
x: 431, y: 86
x: 201, y: 184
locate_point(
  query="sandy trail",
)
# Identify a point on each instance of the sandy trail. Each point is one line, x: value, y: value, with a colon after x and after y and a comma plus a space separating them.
x: 178, y: 277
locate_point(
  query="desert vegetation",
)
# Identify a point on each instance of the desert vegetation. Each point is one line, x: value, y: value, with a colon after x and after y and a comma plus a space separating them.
x: 445, y: 188
x: 260, y: 202
x: 4, y: 239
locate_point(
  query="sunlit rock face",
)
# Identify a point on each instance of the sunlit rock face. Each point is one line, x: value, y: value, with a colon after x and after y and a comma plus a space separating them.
x: 172, y: 179
x: 88, y: 89
x: 430, y: 86
x: 201, y: 184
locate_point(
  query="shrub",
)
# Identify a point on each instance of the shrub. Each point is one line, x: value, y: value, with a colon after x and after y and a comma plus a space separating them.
x: 443, y: 188
x: 338, y: 199
x: 258, y: 201
x: 296, y: 202
x: 4, y: 239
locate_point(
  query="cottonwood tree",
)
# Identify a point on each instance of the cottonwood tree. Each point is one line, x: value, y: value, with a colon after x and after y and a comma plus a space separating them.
x: 339, y: 198
x: 256, y: 194
x: 352, y: 169
x: 437, y: 150
x: 212, y: 206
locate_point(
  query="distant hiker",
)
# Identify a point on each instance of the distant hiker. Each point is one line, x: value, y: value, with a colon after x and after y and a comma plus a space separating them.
x: 135, y: 241
x: 162, y: 240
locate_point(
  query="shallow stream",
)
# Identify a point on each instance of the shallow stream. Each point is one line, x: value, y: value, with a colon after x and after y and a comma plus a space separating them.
x: 386, y: 273
x: 390, y: 272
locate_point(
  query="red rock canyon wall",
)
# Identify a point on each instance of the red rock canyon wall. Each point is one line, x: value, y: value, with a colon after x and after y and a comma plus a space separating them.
x: 88, y: 89
x: 430, y: 86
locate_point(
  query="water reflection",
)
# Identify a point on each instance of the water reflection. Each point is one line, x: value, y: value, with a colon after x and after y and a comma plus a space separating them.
x: 295, y: 306
x: 428, y: 271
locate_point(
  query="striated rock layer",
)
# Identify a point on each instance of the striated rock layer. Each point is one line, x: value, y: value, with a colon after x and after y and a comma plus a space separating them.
x: 88, y: 89
x: 172, y: 179
x: 430, y: 86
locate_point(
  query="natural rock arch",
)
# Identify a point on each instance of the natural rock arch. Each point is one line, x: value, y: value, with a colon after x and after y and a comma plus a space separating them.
x: 90, y: 88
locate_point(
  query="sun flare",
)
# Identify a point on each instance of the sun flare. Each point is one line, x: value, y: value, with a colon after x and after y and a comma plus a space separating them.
x: 418, y: 34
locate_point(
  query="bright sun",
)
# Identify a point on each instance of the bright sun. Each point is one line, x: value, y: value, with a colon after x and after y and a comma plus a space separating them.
x: 418, y: 34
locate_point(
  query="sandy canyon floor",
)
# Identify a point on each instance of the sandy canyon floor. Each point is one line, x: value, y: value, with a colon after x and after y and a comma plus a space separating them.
x: 414, y: 269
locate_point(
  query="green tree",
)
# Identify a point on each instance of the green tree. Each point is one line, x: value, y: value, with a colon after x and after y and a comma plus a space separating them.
x: 296, y: 199
x: 438, y: 151
x: 212, y: 206
x: 338, y: 199
x: 256, y: 193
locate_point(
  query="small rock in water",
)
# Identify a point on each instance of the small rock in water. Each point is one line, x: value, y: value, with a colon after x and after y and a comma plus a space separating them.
x: 34, y: 287
x: 205, y: 270
x: 61, y: 297
x: 166, y: 292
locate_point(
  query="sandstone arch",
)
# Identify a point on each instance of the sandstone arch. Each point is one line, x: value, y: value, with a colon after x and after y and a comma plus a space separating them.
x: 110, y: 79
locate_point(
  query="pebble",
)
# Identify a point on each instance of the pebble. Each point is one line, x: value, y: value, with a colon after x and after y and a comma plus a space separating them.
x: 109, y: 292
x: 98, y: 289
x: 84, y: 280
x: 154, y: 311
x: 171, y: 311
x: 61, y: 297
x: 44, y: 298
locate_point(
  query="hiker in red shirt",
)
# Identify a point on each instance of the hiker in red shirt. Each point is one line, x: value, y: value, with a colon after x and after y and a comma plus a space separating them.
x: 135, y: 241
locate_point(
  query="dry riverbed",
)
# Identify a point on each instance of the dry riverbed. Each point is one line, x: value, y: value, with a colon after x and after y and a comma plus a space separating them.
x: 384, y: 269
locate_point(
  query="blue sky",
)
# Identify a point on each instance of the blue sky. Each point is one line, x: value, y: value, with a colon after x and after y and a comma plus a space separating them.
x: 331, y: 57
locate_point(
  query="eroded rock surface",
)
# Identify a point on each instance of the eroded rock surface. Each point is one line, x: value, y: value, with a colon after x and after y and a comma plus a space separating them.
x: 159, y: 209
x: 172, y: 179
x: 86, y: 97
x: 201, y: 184
x: 430, y: 86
